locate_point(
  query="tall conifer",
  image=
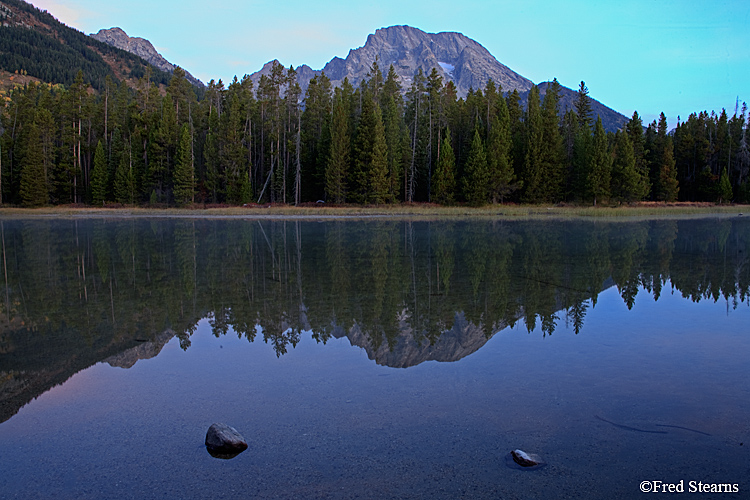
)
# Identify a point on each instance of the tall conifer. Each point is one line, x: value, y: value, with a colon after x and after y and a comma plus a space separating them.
x: 552, y: 154
x: 379, y: 186
x: 476, y: 174
x: 444, y: 181
x: 124, y: 185
x: 601, y: 164
x: 99, y: 176
x: 628, y: 184
x: 184, y: 175
x: 583, y: 106
x: 533, y: 174
x: 338, y: 160
x: 33, y: 184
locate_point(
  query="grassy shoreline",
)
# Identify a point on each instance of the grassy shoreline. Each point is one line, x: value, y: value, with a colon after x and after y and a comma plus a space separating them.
x: 642, y: 210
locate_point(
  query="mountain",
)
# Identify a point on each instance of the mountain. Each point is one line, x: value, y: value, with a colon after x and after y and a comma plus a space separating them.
x: 35, y: 44
x: 455, y: 57
x: 462, y: 339
x: 141, y: 47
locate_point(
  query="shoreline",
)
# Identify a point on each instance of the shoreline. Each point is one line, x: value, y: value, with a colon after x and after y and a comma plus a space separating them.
x: 414, y: 212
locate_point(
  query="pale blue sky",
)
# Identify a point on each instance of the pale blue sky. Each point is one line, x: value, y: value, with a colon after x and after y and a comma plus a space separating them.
x: 676, y: 56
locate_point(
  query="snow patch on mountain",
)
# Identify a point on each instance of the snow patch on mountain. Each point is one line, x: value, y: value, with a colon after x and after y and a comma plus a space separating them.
x: 448, y: 68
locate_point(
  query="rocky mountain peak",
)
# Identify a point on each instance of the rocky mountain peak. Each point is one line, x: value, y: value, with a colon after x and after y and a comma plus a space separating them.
x: 141, y: 47
x: 455, y: 57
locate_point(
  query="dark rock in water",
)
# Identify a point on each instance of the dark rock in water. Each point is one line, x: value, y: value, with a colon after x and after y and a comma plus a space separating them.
x: 525, y: 459
x: 223, y: 441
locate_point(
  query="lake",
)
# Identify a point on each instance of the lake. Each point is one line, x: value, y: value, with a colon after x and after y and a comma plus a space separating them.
x: 374, y: 358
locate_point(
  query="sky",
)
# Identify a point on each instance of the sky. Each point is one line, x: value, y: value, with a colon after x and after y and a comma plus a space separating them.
x: 650, y: 56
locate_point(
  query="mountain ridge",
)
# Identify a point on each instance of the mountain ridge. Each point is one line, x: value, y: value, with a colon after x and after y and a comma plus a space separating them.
x: 117, y: 37
x: 455, y: 57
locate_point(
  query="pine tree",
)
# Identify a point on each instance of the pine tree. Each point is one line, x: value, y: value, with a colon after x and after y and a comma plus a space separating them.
x: 569, y: 131
x: 601, y: 164
x: 583, y: 146
x: 124, y: 186
x: 628, y: 184
x: 378, y: 171
x: 338, y: 161
x: 391, y: 104
x: 476, y: 175
x: 668, y: 184
x: 502, y: 178
x: 233, y: 155
x: 184, y: 175
x: 163, y: 143
x: 33, y: 186
x: 444, y: 182
x: 583, y: 107
x: 517, y: 131
x: 359, y: 186
x: 552, y: 154
x: 634, y: 129
x: 214, y: 180
x: 533, y: 174
x: 99, y: 177
x: 114, y: 153
x: 725, y: 188
x: 665, y: 186
x: 316, y: 136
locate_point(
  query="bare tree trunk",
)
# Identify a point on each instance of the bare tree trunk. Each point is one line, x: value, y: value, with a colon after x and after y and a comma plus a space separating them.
x: 106, y: 107
x: 192, y: 156
x: 78, y: 159
x: 298, y: 176
x: 429, y: 160
x: 410, y: 192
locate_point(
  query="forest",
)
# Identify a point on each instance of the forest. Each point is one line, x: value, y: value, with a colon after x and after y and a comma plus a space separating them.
x: 175, y: 145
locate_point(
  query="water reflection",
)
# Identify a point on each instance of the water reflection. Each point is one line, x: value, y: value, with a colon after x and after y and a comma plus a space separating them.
x: 77, y: 292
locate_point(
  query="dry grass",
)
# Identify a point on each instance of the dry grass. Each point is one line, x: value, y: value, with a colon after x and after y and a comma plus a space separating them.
x: 420, y: 211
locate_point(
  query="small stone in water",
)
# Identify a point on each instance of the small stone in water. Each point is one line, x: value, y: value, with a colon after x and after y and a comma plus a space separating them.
x: 525, y: 459
x: 222, y: 439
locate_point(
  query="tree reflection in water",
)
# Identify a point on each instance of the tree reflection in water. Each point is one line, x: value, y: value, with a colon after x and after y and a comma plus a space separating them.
x: 79, y: 291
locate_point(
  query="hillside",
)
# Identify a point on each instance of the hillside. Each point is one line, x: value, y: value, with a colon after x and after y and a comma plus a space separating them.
x: 32, y: 41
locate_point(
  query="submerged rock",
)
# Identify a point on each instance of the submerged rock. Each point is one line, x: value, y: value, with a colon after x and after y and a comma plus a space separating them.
x: 223, y: 441
x: 525, y: 459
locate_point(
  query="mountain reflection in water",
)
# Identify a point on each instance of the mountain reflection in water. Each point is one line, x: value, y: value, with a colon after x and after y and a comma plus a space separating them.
x: 82, y: 291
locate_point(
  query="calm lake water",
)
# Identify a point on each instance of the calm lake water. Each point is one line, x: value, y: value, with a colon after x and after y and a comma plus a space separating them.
x: 373, y: 358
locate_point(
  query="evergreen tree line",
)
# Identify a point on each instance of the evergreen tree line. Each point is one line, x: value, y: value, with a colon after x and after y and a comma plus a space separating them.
x: 372, y: 144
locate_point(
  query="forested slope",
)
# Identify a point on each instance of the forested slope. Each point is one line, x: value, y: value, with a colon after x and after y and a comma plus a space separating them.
x: 34, y: 42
